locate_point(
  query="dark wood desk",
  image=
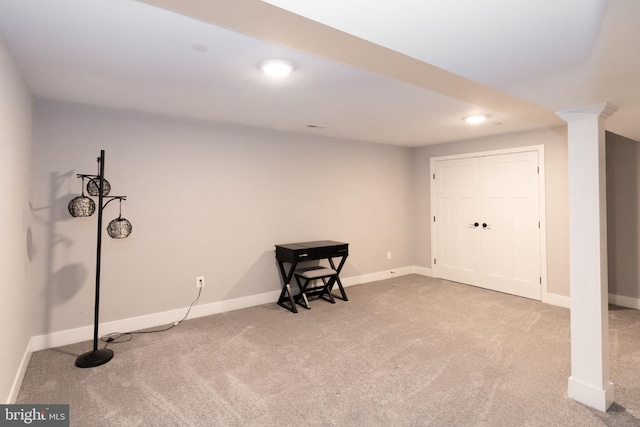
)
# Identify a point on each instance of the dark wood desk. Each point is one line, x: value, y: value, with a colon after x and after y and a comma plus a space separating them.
x: 294, y: 253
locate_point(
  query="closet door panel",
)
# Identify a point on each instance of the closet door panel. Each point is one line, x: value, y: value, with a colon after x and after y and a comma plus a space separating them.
x: 486, y: 225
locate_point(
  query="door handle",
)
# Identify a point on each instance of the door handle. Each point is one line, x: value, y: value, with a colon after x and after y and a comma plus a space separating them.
x: 485, y: 225
x: 475, y: 224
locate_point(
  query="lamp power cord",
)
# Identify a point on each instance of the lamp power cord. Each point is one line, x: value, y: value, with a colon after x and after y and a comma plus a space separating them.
x: 121, y: 337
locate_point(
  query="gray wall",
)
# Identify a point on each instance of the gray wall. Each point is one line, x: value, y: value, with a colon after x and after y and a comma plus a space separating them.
x: 204, y: 199
x: 557, y: 202
x: 15, y: 217
x: 212, y: 199
x: 623, y: 214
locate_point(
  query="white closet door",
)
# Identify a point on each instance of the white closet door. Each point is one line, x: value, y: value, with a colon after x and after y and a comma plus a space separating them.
x: 486, y: 222
x: 510, y: 242
x: 457, y: 209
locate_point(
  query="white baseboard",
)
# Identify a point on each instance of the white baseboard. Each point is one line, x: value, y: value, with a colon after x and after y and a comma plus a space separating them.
x: 85, y: 333
x: 623, y: 301
x: 17, y: 382
x: 381, y: 275
x: 555, y: 299
x: 423, y: 271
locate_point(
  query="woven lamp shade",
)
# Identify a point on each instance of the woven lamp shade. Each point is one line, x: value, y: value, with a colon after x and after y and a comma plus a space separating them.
x: 81, y: 206
x: 93, y: 187
x: 119, y: 228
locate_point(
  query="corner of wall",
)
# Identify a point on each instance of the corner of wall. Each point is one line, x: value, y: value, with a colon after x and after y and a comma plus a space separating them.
x: 22, y: 370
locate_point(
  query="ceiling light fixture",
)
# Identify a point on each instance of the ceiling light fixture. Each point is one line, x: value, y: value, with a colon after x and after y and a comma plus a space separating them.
x: 276, y: 67
x: 476, y: 119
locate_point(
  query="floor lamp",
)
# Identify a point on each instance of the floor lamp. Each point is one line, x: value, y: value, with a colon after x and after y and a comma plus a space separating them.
x: 119, y: 228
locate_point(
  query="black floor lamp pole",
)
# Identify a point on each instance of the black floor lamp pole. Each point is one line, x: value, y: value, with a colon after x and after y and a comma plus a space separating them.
x: 97, y: 357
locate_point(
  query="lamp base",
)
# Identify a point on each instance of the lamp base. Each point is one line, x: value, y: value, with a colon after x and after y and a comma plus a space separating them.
x: 94, y: 358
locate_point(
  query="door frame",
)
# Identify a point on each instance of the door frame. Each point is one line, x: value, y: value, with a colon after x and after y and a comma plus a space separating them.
x: 541, y: 205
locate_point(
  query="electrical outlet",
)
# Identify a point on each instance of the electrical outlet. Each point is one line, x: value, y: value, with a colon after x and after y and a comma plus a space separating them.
x: 389, y: 255
x: 200, y: 282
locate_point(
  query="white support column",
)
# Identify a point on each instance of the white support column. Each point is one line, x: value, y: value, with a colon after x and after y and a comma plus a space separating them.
x: 589, y: 382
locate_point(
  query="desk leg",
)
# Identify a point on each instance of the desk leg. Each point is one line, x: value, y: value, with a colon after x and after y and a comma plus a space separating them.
x: 285, y: 294
x: 337, y: 279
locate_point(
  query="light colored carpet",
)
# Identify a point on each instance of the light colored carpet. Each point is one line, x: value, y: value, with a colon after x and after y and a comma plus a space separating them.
x: 408, y: 351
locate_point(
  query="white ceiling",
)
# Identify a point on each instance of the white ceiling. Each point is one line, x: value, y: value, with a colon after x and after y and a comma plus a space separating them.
x: 399, y: 72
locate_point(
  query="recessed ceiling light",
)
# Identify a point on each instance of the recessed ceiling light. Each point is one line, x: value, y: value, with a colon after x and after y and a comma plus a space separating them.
x: 476, y: 119
x: 276, y: 67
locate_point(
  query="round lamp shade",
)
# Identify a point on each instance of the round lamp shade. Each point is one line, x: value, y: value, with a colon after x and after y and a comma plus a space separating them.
x: 82, y: 206
x: 93, y: 187
x: 119, y: 228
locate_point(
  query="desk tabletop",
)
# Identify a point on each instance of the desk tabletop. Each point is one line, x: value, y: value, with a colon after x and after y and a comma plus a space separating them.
x: 307, y: 245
